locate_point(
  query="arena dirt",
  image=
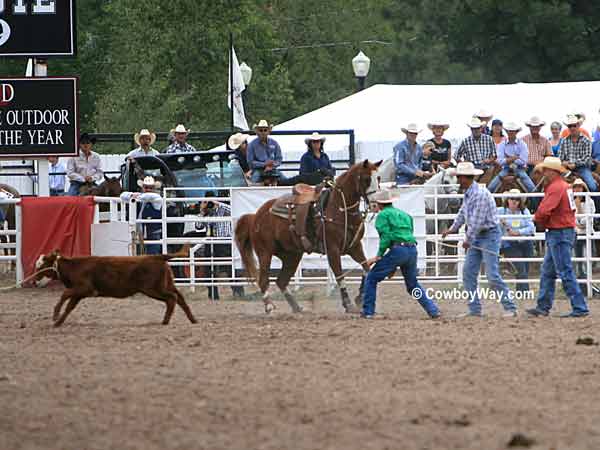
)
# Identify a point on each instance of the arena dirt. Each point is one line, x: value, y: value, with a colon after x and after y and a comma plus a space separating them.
x: 113, y: 378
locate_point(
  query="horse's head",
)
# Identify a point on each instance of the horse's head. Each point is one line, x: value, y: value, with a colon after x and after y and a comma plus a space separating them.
x: 365, y: 175
x: 110, y: 187
x: 45, y: 268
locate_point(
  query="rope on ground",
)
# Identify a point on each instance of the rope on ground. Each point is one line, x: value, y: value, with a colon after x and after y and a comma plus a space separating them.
x: 8, y: 288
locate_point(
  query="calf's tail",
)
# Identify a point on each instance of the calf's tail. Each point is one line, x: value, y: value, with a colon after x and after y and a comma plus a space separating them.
x: 243, y: 241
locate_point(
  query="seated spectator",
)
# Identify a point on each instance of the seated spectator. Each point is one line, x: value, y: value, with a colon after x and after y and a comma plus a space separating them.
x: 581, y: 119
x: 315, y: 160
x: 264, y: 154
x: 555, y: 141
x: 478, y: 148
x: 86, y: 167
x: 583, y: 205
x: 485, y: 117
x: 512, y: 156
x: 144, y: 140
x: 149, y: 207
x: 57, y: 182
x: 595, y: 155
x: 576, y: 153
x: 180, y: 133
x: 538, y: 146
x: 239, y: 143
x: 516, y: 226
x: 427, y: 164
x: 441, y: 154
x: 408, y: 157
x: 498, y: 132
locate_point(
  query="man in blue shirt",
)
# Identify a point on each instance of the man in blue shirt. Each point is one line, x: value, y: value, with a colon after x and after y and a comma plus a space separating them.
x: 408, y: 157
x: 57, y: 182
x: 595, y: 154
x: 512, y: 155
x: 264, y: 154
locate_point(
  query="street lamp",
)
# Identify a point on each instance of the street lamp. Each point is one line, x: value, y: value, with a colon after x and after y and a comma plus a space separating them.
x: 361, y: 64
x: 246, y: 73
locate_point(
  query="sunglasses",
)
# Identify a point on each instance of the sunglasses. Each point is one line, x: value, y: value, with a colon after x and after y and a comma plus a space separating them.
x: 262, y: 130
x: 573, y: 126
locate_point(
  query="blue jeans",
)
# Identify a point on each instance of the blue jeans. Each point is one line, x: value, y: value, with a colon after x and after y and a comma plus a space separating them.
x: 520, y: 172
x: 406, y: 259
x: 585, y: 173
x: 57, y: 192
x: 74, y: 188
x: 257, y: 175
x: 557, y: 263
x: 490, y: 241
x: 404, y: 178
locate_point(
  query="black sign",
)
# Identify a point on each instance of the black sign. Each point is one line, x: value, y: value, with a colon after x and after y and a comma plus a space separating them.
x: 38, y: 117
x: 37, y: 28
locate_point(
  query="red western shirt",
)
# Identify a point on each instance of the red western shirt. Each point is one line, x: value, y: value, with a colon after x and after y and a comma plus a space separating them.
x: 557, y: 209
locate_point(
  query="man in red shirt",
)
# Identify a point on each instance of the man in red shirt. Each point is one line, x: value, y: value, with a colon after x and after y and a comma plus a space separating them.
x: 556, y: 214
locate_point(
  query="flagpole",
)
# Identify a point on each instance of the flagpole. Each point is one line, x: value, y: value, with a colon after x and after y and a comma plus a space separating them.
x: 231, y: 77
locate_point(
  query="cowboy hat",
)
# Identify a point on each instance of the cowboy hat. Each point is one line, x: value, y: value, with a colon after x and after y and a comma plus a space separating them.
x: 475, y: 123
x: 411, y: 128
x: 535, y: 121
x: 439, y: 123
x: 516, y: 193
x: 464, y: 168
x: 262, y: 124
x: 580, y: 182
x: 552, y: 163
x: 383, y: 197
x: 483, y: 113
x: 571, y: 120
x: 149, y: 182
x: 180, y: 129
x: 144, y: 132
x: 236, y: 140
x: 85, y: 138
x: 511, y: 126
x: 314, y: 137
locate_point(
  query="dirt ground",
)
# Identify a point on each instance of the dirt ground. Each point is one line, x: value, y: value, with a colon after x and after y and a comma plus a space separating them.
x: 113, y: 378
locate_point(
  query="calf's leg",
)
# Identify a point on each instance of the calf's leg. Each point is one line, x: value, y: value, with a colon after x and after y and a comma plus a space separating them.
x: 183, y: 305
x: 63, y: 298
x: 70, y: 307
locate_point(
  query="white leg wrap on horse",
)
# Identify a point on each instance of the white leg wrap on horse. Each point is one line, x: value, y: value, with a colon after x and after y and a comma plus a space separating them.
x: 342, y: 284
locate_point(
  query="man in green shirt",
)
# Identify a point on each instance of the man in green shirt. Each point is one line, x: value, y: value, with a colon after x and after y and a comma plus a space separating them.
x: 397, y: 248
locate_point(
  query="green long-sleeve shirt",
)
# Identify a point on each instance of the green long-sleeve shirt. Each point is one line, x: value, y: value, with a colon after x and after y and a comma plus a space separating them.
x: 393, y: 225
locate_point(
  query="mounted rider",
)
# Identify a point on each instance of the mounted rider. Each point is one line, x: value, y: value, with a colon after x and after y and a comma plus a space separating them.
x: 478, y: 148
x: 86, y: 168
x: 144, y: 140
x: 264, y: 154
x: 408, y: 157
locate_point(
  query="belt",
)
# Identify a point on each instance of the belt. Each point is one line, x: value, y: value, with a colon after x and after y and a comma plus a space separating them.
x: 485, y: 230
x: 403, y: 244
x: 559, y: 229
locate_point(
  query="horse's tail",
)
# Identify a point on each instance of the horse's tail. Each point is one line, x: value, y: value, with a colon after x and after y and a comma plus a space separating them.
x: 244, y: 243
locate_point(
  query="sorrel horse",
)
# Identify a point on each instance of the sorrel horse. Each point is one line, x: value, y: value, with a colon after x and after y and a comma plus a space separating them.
x: 339, y: 224
x: 110, y: 187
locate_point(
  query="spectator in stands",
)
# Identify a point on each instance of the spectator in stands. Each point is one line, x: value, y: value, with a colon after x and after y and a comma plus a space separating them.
x: 315, y: 160
x: 86, y: 167
x: 57, y: 182
x: 498, y: 132
x: 239, y: 143
x: 180, y: 145
x: 581, y: 118
x: 408, y: 157
x: 478, y: 148
x: 583, y: 205
x: 595, y: 155
x: 576, y: 153
x: 538, y: 146
x: 485, y: 117
x: 441, y: 154
x: 517, y: 226
x: 264, y: 154
x: 144, y: 140
x: 149, y: 207
x: 427, y: 164
x: 221, y: 229
x: 512, y: 157
x: 555, y: 141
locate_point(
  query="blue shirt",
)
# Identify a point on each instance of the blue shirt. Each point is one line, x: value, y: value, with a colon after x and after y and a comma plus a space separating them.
x: 258, y: 153
x: 478, y: 211
x: 517, y: 148
x: 596, y: 150
x: 57, y: 182
x: 309, y: 163
x: 407, y: 161
x: 524, y: 226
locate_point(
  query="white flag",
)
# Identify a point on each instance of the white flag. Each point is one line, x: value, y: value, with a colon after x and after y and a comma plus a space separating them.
x: 29, y: 70
x: 239, y: 118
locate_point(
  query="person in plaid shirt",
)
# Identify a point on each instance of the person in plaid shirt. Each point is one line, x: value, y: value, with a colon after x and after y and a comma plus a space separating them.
x: 180, y: 145
x: 478, y: 148
x: 576, y: 153
x: 537, y: 145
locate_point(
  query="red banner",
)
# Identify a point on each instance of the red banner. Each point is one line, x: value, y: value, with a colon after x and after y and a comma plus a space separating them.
x: 55, y: 223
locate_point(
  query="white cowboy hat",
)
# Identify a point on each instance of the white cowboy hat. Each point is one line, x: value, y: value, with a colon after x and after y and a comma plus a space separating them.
x: 553, y: 163
x: 180, y: 129
x: 580, y: 182
x: 475, y: 123
x: 483, y: 113
x: 236, y: 140
x: 144, y: 132
x: 511, y: 126
x: 314, y: 137
x: 439, y: 123
x: 571, y: 120
x: 411, y: 128
x: 516, y: 193
x: 464, y: 168
x: 149, y: 181
x: 262, y: 124
x: 383, y: 197
x: 535, y: 121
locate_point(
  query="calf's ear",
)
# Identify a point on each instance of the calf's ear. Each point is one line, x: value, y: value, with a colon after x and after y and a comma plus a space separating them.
x: 377, y: 164
x: 366, y: 163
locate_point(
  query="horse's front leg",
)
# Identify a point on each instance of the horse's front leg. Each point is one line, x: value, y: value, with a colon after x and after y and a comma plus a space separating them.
x: 358, y: 255
x: 335, y: 262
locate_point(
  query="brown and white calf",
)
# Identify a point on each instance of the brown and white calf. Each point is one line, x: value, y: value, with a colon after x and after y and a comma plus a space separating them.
x: 110, y: 276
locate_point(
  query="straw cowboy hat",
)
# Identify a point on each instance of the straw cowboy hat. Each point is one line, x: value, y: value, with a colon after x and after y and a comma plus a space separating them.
x: 149, y: 182
x: 144, y: 132
x: 580, y: 182
x: 314, y: 137
x: 552, y: 163
x: 535, y: 121
x: 516, y: 193
x: 571, y: 120
x: 262, y: 124
x: 383, y: 197
x: 180, y: 129
x: 464, y: 168
x: 236, y: 140
x: 438, y: 124
x: 483, y: 113
x: 475, y: 123
x: 511, y: 126
x: 411, y: 128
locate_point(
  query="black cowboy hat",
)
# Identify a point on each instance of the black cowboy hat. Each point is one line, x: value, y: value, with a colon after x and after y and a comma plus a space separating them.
x: 85, y: 138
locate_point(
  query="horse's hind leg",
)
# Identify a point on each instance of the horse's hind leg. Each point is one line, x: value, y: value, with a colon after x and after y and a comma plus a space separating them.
x: 290, y: 264
x: 264, y: 261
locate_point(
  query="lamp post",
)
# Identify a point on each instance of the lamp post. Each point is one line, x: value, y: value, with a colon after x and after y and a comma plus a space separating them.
x: 246, y: 78
x: 361, y: 64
